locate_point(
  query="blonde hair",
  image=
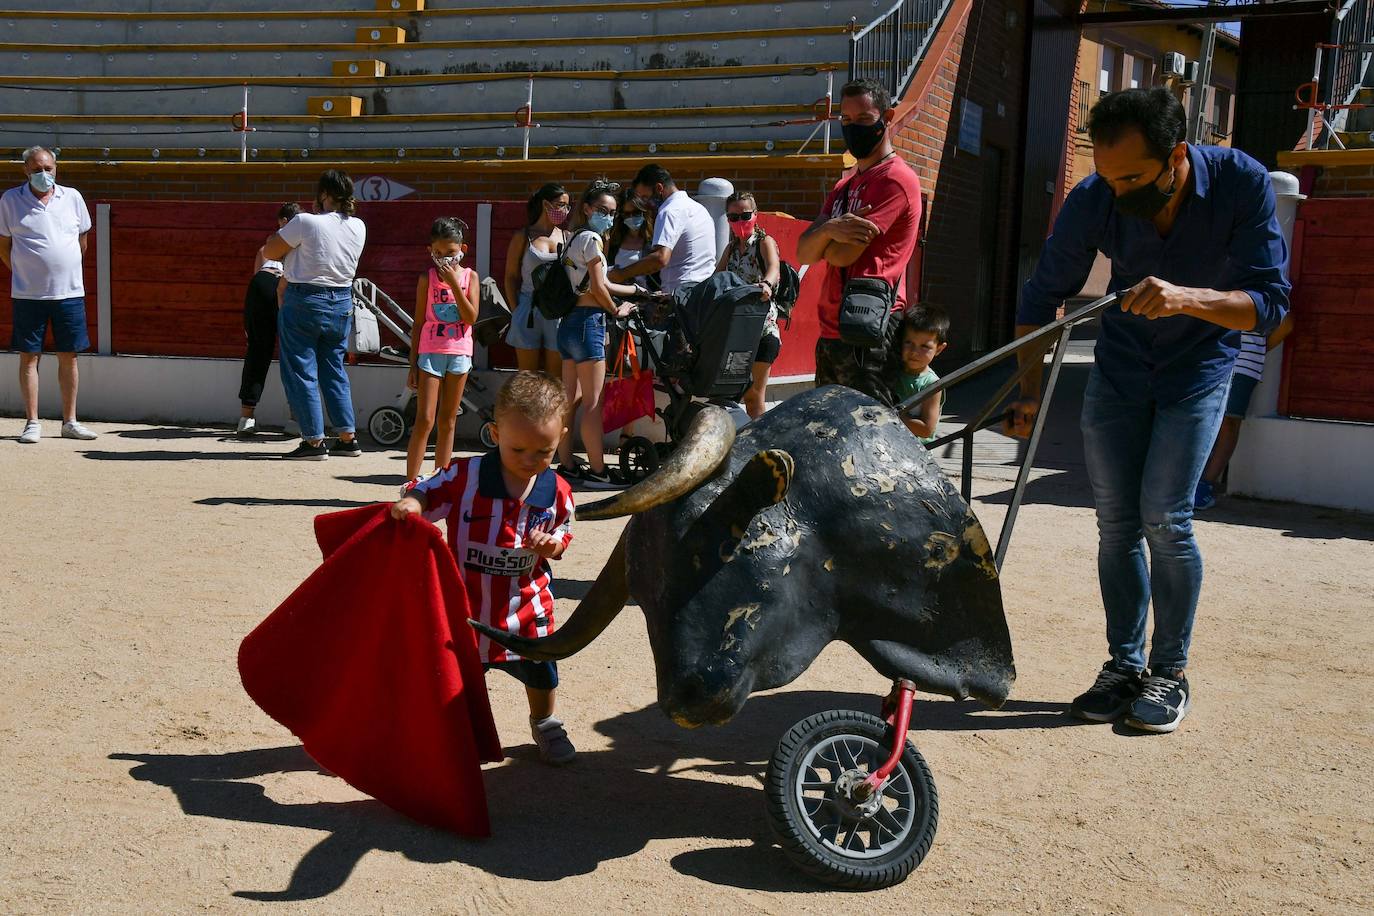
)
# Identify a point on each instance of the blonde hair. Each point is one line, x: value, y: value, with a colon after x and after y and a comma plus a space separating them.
x: 533, y: 395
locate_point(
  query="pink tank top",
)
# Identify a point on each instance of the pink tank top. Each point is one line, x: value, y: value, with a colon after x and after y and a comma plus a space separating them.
x: 444, y: 330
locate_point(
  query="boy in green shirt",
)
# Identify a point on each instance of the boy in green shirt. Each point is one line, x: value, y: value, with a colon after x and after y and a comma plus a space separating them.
x: 924, y: 335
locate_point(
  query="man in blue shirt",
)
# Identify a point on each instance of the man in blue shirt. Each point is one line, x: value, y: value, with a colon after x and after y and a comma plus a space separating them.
x: 1197, y: 252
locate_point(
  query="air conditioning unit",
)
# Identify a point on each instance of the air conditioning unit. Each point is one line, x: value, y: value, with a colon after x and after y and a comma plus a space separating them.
x: 1172, y: 64
x: 1190, y: 72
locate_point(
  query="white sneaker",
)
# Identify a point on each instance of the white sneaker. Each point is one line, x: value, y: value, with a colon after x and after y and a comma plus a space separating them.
x: 33, y: 431
x: 74, y: 430
x: 248, y: 426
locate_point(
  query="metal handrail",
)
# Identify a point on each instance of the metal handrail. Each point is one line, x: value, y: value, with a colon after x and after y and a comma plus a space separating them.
x: 1054, y: 335
x: 892, y: 46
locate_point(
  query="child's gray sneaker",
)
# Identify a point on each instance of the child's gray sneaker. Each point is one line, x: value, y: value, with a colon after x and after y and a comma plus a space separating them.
x: 552, y: 740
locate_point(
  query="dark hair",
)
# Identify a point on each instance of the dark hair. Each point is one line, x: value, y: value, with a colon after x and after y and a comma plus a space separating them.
x: 533, y: 395
x: 534, y: 207
x: 449, y: 228
x: 288, y: 211
x: 337, y: 184
x: 882, y: 99
x: 653, y: 174
x: 927, y: 319
x: 1154, y: 112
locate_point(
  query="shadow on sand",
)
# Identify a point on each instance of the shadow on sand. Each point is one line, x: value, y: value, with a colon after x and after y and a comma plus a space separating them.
x: 654, y: 782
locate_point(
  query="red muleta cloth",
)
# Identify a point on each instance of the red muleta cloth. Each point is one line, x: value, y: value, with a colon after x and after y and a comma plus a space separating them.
x: 371, y: 663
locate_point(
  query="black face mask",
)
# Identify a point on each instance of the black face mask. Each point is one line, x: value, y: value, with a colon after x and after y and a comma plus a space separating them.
x: 1146, y: 202
x: 863, y: 139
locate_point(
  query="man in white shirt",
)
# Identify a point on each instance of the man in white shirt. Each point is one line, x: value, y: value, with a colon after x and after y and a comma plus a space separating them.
x: 43, y: 228
x: 683, y: 248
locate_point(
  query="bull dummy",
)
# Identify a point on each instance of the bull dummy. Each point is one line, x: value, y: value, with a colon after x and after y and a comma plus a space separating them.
x: 825, y: 519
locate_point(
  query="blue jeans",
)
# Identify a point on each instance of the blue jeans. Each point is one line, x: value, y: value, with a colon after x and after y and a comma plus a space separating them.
x: 1144, y: 460
x: 582, y: 335
x: 313, y: 327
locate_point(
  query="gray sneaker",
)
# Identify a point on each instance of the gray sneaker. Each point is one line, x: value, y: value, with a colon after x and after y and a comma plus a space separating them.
x: 554, y: 746
x: 33, y: 431
x: 74, y: 430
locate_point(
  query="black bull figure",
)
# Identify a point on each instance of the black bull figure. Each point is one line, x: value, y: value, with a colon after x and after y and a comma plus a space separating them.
x: 825, y: 519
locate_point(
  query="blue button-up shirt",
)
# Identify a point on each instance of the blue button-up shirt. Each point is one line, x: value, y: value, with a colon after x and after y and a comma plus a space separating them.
x: 1225, y: 237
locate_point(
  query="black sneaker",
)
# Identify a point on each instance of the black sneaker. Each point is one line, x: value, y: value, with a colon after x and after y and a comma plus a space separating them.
x: 349, y: 449
x: 307, y: 452
x: 572, y: 473
x: 1110, y: 695
x: 607, y: 479
x: 1162, y: 704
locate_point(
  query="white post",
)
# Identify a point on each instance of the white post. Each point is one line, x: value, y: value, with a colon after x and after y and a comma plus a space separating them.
x: 1265, y: 401
x: 529, y: 116
x: 243, y: 134
x: 102, y: 280
x: 829, y: 102
x: 711, y: 194
x: 483, y: 267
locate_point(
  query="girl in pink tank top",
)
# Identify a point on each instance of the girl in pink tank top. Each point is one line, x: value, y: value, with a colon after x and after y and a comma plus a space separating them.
x: 441, y: 343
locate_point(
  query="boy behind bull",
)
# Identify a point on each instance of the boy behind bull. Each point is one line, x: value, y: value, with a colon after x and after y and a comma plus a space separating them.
x: 507, y: 516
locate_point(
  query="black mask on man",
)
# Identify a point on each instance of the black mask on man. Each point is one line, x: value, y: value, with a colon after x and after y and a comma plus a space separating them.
x: 1146, y: 202
x: 863, y: 139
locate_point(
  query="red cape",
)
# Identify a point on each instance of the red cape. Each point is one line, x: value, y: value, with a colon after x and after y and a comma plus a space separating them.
x: 371, y: 663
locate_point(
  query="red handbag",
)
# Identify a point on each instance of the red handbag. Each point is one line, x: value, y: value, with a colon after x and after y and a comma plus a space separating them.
x: 626, y: 398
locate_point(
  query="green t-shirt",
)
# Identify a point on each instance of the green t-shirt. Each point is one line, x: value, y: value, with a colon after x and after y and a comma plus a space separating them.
x: 907, y: 385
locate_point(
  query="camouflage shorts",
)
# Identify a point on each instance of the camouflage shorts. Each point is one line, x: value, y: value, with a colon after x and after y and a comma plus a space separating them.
x: 872, y: 371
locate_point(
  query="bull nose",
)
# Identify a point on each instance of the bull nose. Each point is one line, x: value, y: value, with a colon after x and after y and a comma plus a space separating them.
x: 709, y: 698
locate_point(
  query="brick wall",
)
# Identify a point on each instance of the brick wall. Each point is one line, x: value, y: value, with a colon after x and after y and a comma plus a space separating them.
x: 1345, y: 181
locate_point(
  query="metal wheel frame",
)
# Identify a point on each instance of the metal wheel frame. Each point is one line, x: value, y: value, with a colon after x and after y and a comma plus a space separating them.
x: 847, y: 768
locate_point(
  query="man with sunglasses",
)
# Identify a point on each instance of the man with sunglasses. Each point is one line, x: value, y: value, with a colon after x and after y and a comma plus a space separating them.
x: 683, y: 248
x: 1198, y: 257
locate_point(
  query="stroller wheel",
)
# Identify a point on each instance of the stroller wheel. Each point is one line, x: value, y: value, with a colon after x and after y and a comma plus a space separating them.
x: 486, y: 434
x: 387, y: 426
x: 638, y: 459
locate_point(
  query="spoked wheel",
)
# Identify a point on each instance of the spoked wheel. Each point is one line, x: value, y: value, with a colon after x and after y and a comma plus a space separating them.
x: 820, y: 816
x: 638, y: 458
x: 488, y: 434
x: 387, y: 426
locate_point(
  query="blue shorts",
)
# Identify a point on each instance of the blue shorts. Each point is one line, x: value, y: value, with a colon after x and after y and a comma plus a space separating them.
x: 1238, y: 401
x: 582, y: 335
x: 442, y: 364
x: 68, y: 319
x: 539, y: 675
x: 529, y: 329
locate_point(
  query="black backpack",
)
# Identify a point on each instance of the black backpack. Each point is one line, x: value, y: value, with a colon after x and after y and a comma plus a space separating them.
x: 554, y: 295
x: 789, y: 288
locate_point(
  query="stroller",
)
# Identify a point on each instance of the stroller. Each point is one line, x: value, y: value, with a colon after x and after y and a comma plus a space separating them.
x: 390, y: 424
x: 701, y: 345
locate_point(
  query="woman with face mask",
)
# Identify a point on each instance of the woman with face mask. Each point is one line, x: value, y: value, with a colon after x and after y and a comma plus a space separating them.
x: 534, y: 337
x: 629, y: 236
x: 752, y: 254
x: 319, y: 252
x: 582, y: 334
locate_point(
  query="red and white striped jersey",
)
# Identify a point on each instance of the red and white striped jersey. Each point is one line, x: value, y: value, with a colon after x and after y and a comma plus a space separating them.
x: 508, y: 586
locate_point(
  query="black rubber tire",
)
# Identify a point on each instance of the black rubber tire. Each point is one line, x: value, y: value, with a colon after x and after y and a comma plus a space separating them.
x: 487, y: 434
x: 791, y: 827
x: 387, y: 426
x: 638, y: 458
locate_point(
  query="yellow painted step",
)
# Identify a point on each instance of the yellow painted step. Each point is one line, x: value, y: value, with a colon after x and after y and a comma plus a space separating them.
x: 336, y: 106
x: 360, y: 68
x: 381, y: 35
x: 400, y: 6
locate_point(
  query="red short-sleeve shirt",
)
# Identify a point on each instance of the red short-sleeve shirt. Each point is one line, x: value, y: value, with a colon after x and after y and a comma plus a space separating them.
x: 892, y: 189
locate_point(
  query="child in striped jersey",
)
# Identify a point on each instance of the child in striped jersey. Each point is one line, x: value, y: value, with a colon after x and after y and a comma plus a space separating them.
x: 507, y: 516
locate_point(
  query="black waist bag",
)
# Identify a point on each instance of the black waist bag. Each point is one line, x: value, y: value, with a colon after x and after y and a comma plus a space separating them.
x: 865, y: 310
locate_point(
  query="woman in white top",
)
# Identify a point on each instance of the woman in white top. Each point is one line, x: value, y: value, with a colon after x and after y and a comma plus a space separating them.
x: 753, y: 255
x: 260, y: 326
x: 582, y: 334
x: 320, y: 252
x: 534, y: 337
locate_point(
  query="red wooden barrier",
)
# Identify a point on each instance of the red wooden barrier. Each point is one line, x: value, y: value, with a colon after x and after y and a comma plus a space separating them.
x: 1327, y: 359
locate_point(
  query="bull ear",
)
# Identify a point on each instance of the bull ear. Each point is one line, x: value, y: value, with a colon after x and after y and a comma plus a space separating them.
x: 762, y: 482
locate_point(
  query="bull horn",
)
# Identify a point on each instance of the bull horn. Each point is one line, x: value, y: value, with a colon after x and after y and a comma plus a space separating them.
x: 705, y: 446
x: 593, y: 614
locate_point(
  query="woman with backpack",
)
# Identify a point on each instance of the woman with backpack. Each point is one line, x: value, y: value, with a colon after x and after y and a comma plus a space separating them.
x: 752, y: 254
x: 534, y: 336
x: 582, y: 334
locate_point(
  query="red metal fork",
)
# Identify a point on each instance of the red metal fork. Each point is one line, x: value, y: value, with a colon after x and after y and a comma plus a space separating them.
x: 900, y: 720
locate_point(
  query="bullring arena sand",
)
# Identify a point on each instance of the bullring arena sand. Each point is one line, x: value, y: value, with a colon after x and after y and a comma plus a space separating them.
x: 139, y: 778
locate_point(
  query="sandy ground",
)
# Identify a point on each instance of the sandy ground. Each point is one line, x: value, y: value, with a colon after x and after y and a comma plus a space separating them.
x: 138, y: 777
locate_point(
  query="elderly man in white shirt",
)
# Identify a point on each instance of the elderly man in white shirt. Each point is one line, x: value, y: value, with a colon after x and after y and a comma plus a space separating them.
x: 683, y: 248
x: 43, y: 228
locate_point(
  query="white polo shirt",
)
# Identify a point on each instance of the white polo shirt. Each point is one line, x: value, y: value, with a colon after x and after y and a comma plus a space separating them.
x: 45, y: 248
x: 325, y: 248
x: 685, y: 227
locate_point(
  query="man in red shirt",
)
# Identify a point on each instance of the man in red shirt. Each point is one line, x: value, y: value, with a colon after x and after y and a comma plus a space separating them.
x: 867, y: 228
